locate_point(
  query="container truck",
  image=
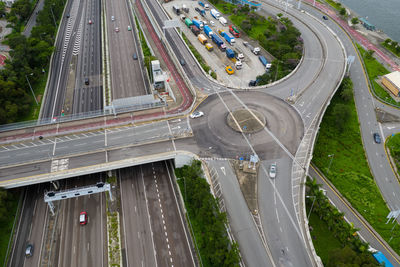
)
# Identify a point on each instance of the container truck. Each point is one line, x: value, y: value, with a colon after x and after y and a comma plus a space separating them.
x: 229, y: 38
x: 195, y: 30
x: 206, y: 6
x: 234, y: 31
x: 207, y: 31
x: 215, y: 13
x: 254, y: 50
x: 265, y: 62
x: 198, y: 24
x: 222, y: 20
x: 218, y: 42
x: 229, y: 53
x: 176, y: 10
x: 188, y: 22
x: 202, y: 38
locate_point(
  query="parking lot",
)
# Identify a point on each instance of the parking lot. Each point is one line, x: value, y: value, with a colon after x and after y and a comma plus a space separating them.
x: 217, y: 59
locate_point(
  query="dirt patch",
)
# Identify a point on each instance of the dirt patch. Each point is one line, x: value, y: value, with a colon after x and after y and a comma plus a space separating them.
x: 245, y: 119
x: 247, y: 178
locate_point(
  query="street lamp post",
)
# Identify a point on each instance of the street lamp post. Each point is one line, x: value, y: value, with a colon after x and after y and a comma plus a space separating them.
x: 34, y: 97
x: 312, y: 205
x: 330, y: 162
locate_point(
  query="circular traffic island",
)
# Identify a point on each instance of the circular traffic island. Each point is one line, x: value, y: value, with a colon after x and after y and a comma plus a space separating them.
x: 249, y: 120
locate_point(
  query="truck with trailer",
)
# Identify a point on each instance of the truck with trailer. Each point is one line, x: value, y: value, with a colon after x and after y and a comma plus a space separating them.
x: 229, y: 38
x: 254, y: 50
x: 188, y: 22
x: 229, y: 53
x: 215, y: 13
x: 176, y: 10
x: 202, y: 39
x: 195, y: 30
x: 265, y: 62
x: 234, y: 31
x: 206, y: 6
x: 218, y: 42
x: 222, y: 20
x: 207, y: 31
x: 198, y: 24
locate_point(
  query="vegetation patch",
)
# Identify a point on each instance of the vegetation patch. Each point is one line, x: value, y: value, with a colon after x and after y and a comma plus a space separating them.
x: 392, y: 46
x: 335, y: 241
x: 339, y: 154
x: 114, y: 243
x: 277, y: 36
x: 208, y: 224
x: 199, y: 58
x: 393, y: 143
x: 148, y: 56
x: 29, y: 59
x: 8, y: 209
x: 374, y: 70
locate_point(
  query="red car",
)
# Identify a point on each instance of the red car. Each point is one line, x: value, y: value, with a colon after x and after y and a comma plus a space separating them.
x: 83, y: 218
x: 90, y: 21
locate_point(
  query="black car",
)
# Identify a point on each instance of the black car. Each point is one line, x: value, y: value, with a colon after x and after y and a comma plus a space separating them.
x: 197, y: 9
x: 87, y: 81
x: 377, y: 138
x: 182, y: 61
x: 134, y: 56
x: 253, y: 83
x: 325, y: 17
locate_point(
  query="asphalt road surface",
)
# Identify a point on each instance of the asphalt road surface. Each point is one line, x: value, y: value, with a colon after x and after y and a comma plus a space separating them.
x: 81, y: 245
x: 152, y: 224
x: 127, y: 77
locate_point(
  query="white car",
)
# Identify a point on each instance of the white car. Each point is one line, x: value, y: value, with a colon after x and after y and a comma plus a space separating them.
x: 272, y: 170
x: 196, y: 114
x: 212, y: 23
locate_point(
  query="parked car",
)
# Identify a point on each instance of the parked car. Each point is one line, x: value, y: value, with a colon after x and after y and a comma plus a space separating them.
x: 83, y: 218
x: 377, y: 138
x: 196, y: 114
x: 272, y: 170
x: 29, y: 250
x: 229, y: 70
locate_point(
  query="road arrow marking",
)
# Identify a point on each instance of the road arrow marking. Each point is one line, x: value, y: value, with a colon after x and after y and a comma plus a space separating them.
x: 223, y: 170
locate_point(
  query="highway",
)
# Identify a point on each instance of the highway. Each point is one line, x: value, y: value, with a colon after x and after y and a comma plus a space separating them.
x: 77, y: 57
x: 152, y: 222
x: 127, y: 74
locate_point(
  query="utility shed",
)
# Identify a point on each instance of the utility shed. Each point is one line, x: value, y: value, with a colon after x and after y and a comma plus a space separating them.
x: 392, y: 82
x: 367, y: 24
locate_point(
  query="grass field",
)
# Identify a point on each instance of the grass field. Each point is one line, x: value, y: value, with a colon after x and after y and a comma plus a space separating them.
x: 324, y: 241
x: 349, y: 170
x: 374, y: 70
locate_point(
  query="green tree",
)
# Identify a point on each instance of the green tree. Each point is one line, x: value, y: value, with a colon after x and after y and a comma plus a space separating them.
x: 2, y: 8
x: 354, y: 21
x: 388, y: 40
x: 348, y: 257
x: 342, y: 11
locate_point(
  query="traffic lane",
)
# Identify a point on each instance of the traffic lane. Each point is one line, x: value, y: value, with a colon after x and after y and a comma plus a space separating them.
x: 39, y: 223
x: 278, y: 215
x: 390, y: 129
x: 171, y: 242
x: 365, y: 231
x: 240, y: 219
x: 138, y: 246
x: 17, y: 257
x: 26, y: 170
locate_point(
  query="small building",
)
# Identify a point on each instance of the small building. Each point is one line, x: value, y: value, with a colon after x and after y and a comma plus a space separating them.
x: 159, y: 77
x: 9, y: 3
x: 367, y: 24
x: 392, y: 82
